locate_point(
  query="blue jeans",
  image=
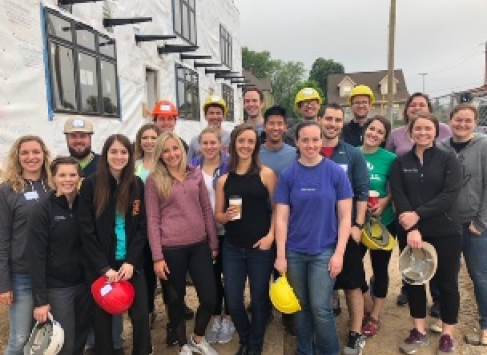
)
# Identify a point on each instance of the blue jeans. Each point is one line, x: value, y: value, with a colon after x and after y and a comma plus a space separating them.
x: 475, y: 254
x: 238, y: 264
x: 308, y: 275
x: 117, y: 334
x: 20, y: 314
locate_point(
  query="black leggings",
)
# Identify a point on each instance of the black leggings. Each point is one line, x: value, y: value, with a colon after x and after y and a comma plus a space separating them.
x: 380, y: 266
x: 195, y: 259
x: 150, y: 278
x: 220, y: 294
x: 446, y: 277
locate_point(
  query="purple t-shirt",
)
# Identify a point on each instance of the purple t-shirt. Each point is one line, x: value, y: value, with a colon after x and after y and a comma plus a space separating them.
x: 312, y: 194
x: 400, y: 143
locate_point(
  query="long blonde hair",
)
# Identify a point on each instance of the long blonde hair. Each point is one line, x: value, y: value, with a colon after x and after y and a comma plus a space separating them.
x: 13, y: 173
x: 160, y: 173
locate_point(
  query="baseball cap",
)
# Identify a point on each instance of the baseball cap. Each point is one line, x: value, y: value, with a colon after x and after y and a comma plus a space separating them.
x: 78, y: 124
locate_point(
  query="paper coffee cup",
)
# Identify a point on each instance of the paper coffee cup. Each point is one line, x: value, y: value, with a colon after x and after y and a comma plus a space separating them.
x: 373, y: 198
x: 236, y: 201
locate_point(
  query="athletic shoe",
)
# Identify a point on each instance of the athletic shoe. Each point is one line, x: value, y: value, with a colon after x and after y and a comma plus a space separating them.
x: 171, y: 337
x: 355, y: 344
x: 436, y: 328
x: 414, y: 341
x: 186, y: 350
x: 446, y: 345
x: 335, y: 303
x: 202, y: 347
x: 226, y: 331
x: 242, y: 350
x: 435, y: 310
x: 213, y: 330
x: 475, y: 338
x: 402, y: 298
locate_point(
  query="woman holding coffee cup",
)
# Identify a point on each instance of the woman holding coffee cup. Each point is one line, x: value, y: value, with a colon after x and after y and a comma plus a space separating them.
x: 379, y: 163
x: 243, y: 206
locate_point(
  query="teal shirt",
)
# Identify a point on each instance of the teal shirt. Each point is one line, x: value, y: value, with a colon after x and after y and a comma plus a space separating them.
x: 379, y: 165
x: 140, y: 171
x: 121, y: 247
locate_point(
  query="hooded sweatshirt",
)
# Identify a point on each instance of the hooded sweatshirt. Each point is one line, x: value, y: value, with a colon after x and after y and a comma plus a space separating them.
x: 472, y: 200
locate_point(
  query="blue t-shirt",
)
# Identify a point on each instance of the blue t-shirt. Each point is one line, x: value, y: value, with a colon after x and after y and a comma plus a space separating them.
x: 121, y: 247
x: 312, y: 194
x: 277, y: 160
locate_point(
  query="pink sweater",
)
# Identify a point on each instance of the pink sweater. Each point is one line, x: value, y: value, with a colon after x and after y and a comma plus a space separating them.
x: 185, y: 218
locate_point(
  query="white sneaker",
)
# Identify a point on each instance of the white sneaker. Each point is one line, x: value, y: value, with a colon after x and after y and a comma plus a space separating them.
x: 186, y: 350
x: 213, y: 330
x: 202, y: 347
x: 226, y: 331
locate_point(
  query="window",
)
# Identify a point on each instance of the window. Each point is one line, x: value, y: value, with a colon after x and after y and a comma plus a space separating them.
x: 82, y: 67
x: 225, y: 47
x: 227, y: 94
x: 187, y: 87
x: 184, y: 17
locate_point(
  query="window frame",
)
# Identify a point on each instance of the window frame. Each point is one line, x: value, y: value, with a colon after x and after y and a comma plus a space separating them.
x: 77, y: 50
x: 191, y: 19
x: 193, y: 83
x: 226, y: 47
x: 228, y: 94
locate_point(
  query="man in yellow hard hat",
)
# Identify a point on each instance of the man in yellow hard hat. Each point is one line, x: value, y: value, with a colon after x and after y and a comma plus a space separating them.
x: 307, y: 102
x: 215, y: 110
x: 361, y: 100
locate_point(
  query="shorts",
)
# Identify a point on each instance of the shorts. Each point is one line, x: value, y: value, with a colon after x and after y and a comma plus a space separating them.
x: 353, y: 273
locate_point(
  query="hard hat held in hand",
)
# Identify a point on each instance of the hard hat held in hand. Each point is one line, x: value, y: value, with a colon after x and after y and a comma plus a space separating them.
x: 283, y: 297
x: 114, y: 298
x: 46, y: 338
x: 375, y: 236
x: 418, y: 266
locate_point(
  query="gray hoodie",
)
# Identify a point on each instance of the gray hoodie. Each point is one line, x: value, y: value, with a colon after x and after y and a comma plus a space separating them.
x: 472, y: 200
x: 15, y: 209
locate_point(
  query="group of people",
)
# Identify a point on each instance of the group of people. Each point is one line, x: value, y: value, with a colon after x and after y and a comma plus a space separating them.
x: 244, y: 205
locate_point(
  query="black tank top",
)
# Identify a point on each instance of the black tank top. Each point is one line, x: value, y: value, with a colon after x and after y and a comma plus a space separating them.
x: 255, y: 218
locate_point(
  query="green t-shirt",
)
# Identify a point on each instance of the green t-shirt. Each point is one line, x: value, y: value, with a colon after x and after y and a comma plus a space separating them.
x: 379, y: 165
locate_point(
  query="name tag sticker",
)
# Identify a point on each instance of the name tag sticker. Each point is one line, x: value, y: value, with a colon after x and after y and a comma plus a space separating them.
x: 106, y: 289
x: 31, y: 195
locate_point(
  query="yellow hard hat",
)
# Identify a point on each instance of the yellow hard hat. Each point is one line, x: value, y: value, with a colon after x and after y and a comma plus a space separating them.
x: 307, y: 94
x: 283, y: 297
x: 215, y: 100
x: 362, y: 90
x: 375, y: 236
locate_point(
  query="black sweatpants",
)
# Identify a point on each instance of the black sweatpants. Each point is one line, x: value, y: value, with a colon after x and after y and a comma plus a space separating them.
x: 220, y: 294
x: 150, y: 278
x: 139, y: 315
x: 446, y: 277
x: 195, y: 259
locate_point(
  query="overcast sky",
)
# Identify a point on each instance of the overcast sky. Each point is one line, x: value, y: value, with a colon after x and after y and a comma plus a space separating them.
x: 444, y: 38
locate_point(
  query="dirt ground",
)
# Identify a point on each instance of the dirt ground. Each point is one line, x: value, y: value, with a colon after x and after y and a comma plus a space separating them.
x: 395, y: 326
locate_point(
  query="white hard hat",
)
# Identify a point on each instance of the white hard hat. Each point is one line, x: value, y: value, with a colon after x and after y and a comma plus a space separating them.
x: 418, y: 266
x: 46, y: 338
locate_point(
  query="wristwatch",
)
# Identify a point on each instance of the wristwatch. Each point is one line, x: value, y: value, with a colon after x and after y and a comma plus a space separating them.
x: 358, y: 225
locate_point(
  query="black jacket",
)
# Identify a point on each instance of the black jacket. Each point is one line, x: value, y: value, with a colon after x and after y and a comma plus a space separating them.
x: 54, y: 247
x: 91, y: 167
x: 98, y: 234
x: 430, y: 190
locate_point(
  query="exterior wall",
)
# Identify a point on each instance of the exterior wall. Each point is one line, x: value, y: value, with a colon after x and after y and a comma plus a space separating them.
x: 24, y: 94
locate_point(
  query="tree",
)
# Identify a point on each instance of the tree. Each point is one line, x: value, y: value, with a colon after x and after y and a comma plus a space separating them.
x: 301, y: 85
x: 283, y: 80
x: 321, y: 69
x: 260, y: 63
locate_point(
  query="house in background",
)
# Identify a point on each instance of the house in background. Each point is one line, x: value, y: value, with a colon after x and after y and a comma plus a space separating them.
x: 111, y: 61
x: 263, y: 84
x: 340, y: 86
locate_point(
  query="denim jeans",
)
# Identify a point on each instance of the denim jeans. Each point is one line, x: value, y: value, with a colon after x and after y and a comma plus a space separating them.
x: 117, y: 334
x: 475, y: 254
x: 310, y: 279
x: 20, y: 314
x: 256, y: 264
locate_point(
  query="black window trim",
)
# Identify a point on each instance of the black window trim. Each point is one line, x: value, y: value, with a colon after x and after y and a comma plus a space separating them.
x: 77, y: 48
x: 226, y: 47
x: 178, y: 79
x: 231, y: 108
x: 191, y: 10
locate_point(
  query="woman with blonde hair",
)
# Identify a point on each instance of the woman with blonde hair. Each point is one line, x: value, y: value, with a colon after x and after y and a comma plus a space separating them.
x: 182, y: 236
x: 26, y: 181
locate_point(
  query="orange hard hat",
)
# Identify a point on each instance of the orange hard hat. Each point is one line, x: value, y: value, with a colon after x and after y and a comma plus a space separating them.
x: 165, y: 108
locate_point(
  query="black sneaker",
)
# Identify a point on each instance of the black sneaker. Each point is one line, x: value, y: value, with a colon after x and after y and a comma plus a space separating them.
x: 355, y: 344
x: 188, y: 312
x: 402, y: 298
x: 242, y: 350
x: 171, y: 337
x: 435, y: 310
x: 335, y: 303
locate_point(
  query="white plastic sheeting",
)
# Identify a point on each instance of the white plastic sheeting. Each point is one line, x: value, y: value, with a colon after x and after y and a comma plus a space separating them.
x: 23, y: 89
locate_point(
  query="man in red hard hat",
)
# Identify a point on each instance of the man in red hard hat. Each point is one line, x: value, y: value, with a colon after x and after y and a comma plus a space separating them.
x: 165, y: 115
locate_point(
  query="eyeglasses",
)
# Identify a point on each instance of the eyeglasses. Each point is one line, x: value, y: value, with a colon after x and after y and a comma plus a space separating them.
x: 309, y: 103
x: 360, y: 103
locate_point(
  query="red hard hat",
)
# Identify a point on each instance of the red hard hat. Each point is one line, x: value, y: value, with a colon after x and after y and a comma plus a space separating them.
x: 113, y: 298
x: 165, y: 108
